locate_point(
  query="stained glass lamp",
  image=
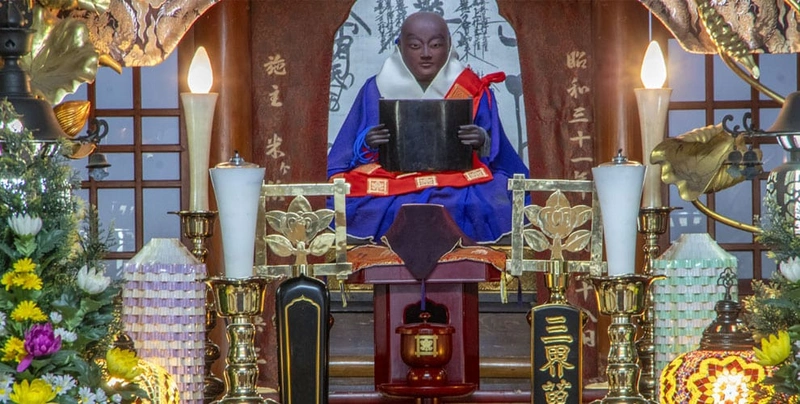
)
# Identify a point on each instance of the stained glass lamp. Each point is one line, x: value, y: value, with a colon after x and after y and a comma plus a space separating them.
x: 724, y: 369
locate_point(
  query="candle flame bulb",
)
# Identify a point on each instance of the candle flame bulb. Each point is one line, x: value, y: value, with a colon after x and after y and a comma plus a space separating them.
x: 654, y: 69
x: 201, y: 77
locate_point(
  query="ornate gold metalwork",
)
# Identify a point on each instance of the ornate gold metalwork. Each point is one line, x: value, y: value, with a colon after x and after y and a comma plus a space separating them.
x: 62, y: 56
x: 749, y: 79
x: 622, y: 297
x: 694, y: 161
x: 725, y: 220
x: 240, y: 300
x: 198, y: 226
x: 767, y: 26
x: 141, y: 32
x: 72, y: 116
x: 302, y: 230
x: 108, y: 61
x: 299, y: 230
x: 555, y: 226
x: 558, y: 223
x: 725, y: 38
x: 652, y: 223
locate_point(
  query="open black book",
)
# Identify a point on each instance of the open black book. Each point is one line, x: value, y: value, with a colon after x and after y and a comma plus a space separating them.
x: 424, y: 135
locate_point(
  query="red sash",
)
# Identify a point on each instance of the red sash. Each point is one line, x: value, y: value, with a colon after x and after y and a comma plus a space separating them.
x: 372, y: 179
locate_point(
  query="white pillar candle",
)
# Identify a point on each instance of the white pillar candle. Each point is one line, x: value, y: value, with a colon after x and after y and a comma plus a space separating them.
x: 619, y: 189
x: 237, y: 189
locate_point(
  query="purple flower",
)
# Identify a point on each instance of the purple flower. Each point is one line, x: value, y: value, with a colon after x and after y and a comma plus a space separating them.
x: 40, y: 340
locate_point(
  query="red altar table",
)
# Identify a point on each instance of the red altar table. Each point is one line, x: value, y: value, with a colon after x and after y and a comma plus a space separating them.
x: 452, y: 284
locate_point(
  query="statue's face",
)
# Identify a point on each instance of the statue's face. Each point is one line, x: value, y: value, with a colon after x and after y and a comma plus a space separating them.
x: 424, y: 45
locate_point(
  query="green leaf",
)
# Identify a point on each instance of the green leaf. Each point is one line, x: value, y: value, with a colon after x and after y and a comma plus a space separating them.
x: 25, y: 247
x: 10, y: 252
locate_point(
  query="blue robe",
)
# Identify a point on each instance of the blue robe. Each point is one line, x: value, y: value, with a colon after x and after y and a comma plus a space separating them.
x: 482, y: 211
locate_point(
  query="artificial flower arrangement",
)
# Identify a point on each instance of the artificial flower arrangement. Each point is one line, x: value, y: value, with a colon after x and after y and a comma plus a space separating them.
x: 773, y: 311
x: 56, y: 303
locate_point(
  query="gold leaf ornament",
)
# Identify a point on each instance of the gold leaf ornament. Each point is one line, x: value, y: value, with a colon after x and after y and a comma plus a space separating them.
x: 536, y: 240
x: 280, y: 245
x: 322, y: 244
x: 694, y: 161
x: 62, y: 57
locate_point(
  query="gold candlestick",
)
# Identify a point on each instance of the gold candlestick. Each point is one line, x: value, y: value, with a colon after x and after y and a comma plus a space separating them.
x: 652, y: 223
x: 622, y: 297
x: 240, y: 299
x: 198, y: 226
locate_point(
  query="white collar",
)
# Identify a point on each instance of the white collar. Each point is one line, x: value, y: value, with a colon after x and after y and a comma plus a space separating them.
x: 395, y: 81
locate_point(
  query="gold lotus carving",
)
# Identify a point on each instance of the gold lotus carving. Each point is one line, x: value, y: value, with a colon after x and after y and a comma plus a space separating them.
x: 300, y: 231
x: 556, y: 226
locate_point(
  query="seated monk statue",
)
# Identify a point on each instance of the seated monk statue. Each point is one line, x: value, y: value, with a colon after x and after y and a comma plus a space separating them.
x: 425, y: 66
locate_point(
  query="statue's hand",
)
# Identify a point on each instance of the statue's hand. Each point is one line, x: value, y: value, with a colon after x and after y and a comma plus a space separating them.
x: 376, y: 136
x: 472, y: 135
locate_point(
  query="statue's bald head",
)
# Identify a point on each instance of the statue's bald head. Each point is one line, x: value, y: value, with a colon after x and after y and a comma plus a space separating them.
x: 424, y: 45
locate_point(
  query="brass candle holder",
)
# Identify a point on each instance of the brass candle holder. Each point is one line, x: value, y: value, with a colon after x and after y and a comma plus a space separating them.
x: 622, y: 297
x: 240, y: 300
x: 652, y: 222
x: 199, y: 226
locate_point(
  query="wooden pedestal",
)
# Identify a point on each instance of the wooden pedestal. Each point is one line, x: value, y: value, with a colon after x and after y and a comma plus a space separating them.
x: 452, y: 284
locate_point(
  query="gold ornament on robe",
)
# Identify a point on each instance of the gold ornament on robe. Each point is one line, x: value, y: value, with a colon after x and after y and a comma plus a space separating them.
x: 695, y: 161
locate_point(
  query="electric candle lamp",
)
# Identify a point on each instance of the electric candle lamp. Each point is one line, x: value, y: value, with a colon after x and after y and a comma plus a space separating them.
x: 198, y: 108
x: 653, y: 102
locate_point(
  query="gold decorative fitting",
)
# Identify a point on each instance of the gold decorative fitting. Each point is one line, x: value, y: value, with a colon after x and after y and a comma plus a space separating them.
x: 302, y: 231
x: 299, y: 229
x: 725, y: 38
x: 72, y: 116
x: 694, y: 161
x: 558, y: 223
x: 557, y: 226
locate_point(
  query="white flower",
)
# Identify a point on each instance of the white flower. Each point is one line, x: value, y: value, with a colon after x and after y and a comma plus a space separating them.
x: 100, y: 396
x: 61, y: 384
x: 791, y: 269
x: 2, y: 325
x: 24, y: 225
x: 92, y: 281
x: 86, y: 395
x: 116, y: 398
x: 6, y: 384
x: 15, y: 126
x: 66, y: 336
x: 56, y: 317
